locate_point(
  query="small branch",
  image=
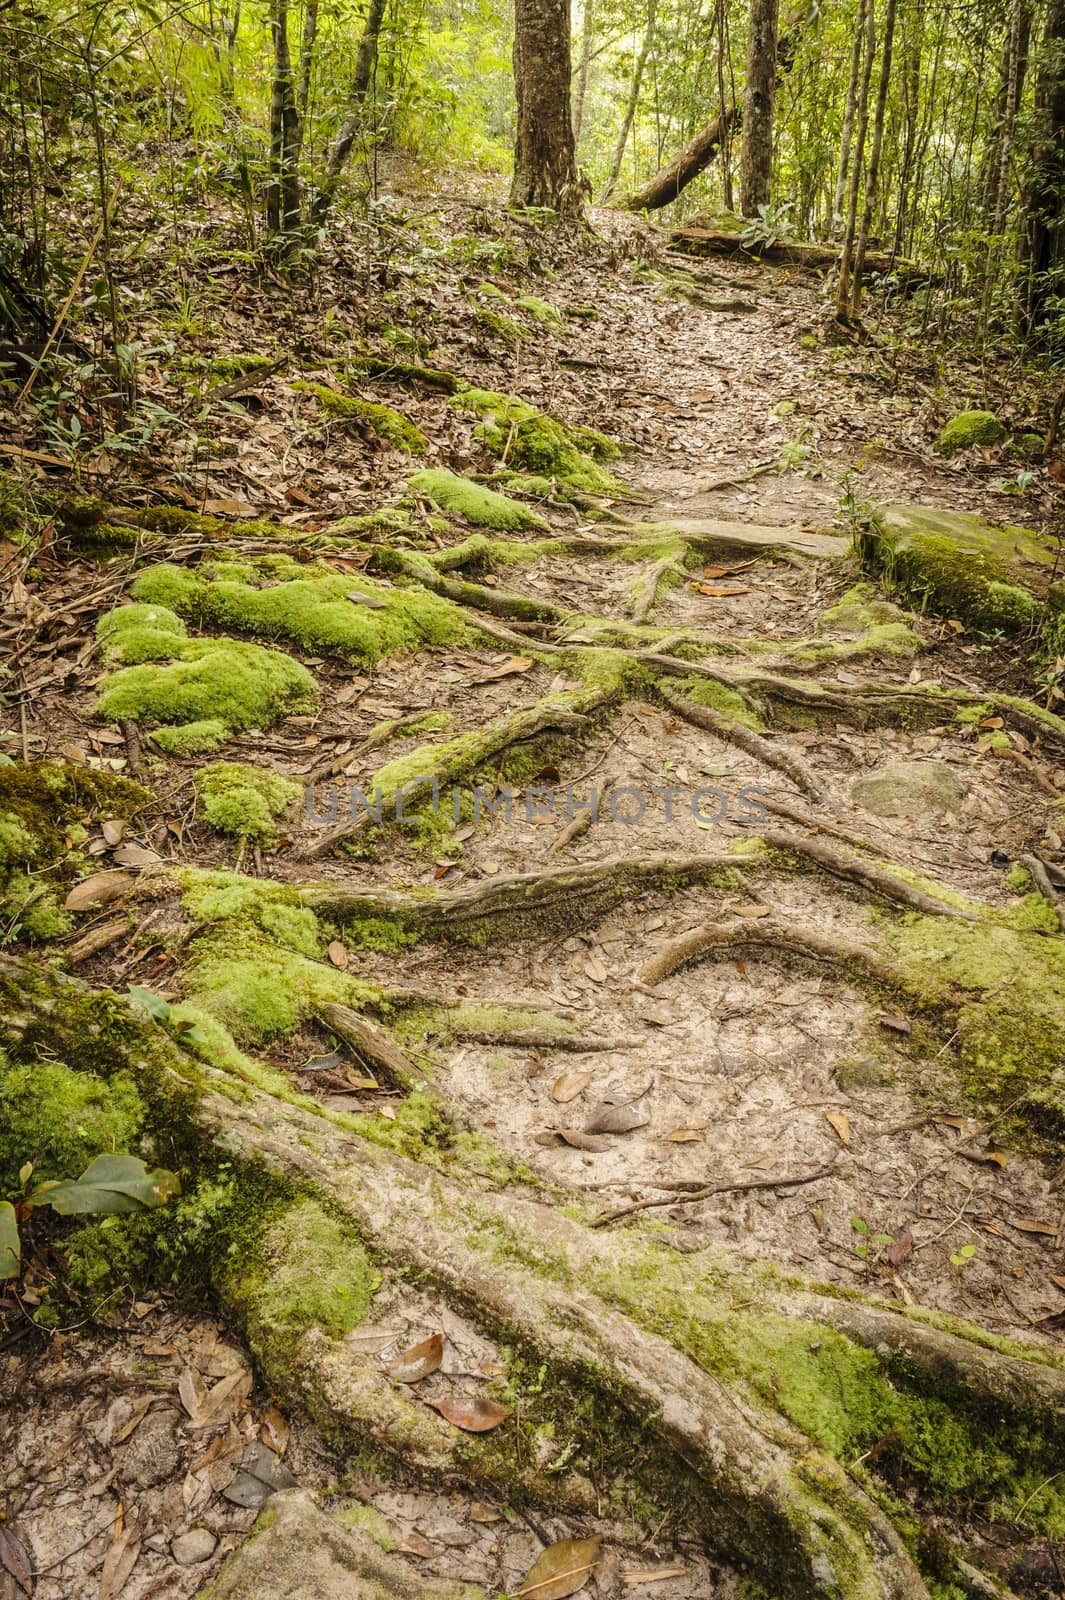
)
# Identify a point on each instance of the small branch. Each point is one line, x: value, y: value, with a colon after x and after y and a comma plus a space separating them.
x: 793, y: 1182
x: 744, y: 739
x: 543, y: 1039
x: 867, y: 874
x: 372, y: 1044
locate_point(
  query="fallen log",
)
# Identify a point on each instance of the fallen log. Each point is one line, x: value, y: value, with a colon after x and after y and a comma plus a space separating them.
x: 696, y: 239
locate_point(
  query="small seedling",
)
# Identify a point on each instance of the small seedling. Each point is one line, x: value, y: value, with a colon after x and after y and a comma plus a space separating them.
x: 962, y: 1257
x: 871, y: 1246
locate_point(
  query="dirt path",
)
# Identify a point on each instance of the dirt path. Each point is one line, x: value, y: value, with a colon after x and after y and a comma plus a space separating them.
x: 827, y: 1109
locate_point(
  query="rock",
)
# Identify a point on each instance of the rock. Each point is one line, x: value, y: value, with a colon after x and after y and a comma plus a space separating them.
x: 910, y: 789
x: 969, y: 428
x: 261, y: 1475
x: 152, y: 1454
x: 189, y: 1549
x: 295, y: 1552
x: 955, y: 564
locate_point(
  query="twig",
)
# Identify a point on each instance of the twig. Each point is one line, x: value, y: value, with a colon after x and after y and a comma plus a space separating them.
x: 718, y: 1188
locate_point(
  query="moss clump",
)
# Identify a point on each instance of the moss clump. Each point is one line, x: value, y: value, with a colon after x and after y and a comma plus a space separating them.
x: 719, y: 697
x: 540, y: 445
x: 368, y: 1520
x: 245, y: 802
x: 390, y: 425
x: 136, y: 633
x: 43, y: 810
x: 969, y: 428
x: 192, y: 738
x: 957, y: 565
x: 60, y: 1120
x: 484, y: 508
x: 316, y: 614
x: 540, y: 309
x: 403, y: 372
x: 499, y: 326
x: 205, y: 684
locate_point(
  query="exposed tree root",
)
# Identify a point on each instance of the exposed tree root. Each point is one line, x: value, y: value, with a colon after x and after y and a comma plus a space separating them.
x: 771, y: 934
x: 744, y: 739
x: 448, y: 762
x: 372, y: 1045
x: 542, y: 1039
x: 686, y: 1363
x: 704, y: 1193
x: 1039, y: 876
x: 867, y: 874
x: 647, y: 591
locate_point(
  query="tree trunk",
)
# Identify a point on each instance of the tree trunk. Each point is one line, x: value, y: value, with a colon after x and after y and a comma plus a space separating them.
x: 1046, y: 190
x: 756, y: 156
x: 698, y: 153
x: 587, y: 39
x: 283, y: 194
x: 1020, y: 29
x: 873, y: 175
x: 847, y: 133
x: 632, y: 101
x: 354, y: 116
x: 843, y: 285
x: 545, y: 162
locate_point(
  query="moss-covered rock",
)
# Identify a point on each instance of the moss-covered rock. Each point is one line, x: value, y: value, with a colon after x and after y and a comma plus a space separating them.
x: 540, y: 309
x: 955, y: 564
x: 388, y: 424
x: 499, y: 326
x: 537, y: 444
x: 482, y: 507
x: 969, y: 428
x: 354, y: 617
x: 245, y: 802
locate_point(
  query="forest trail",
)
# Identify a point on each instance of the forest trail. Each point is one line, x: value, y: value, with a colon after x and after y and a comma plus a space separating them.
x: 783, y: 992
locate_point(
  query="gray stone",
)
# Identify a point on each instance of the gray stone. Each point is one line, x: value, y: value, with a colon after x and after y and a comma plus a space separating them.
x: 261, y: 1474
x: 296, y: 1552
x: 910, y: 789
x: 189, y: 1549
x: 152, y: 1454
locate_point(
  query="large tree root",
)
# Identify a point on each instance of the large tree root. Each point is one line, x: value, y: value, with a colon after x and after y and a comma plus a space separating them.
x: 670, y: 1352
x: 768, y: 933
x: 744, y: 739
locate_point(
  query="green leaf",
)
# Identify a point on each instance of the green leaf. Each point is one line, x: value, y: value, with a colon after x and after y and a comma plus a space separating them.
x: 859, y: 1225
x: 109, y: 1186
x: 154, y: 1004
x: 10, y: 1244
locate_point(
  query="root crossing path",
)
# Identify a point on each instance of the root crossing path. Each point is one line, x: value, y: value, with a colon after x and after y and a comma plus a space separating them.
x: 586, y: 933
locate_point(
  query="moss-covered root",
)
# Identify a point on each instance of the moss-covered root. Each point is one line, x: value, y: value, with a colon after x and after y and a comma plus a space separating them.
x: 743, y: 738
x: 415, y: 777
x: 481, y: 507
x: 756, y: 1405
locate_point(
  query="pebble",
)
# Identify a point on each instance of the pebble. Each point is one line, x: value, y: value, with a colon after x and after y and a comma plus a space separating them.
x: 189, y: 1549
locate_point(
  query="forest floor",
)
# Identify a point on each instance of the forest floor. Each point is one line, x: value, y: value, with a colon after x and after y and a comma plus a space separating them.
x: 741, y: 425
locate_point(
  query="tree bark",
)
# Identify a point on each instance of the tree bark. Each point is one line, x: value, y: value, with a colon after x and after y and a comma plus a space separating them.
x: 632, y: 101
x: 283, y: 194
x: 872, y: 177
x: 1042, y: 248
x: 545, y: 161
x: 843, y: 285
x: 756, y: 156
x: 587, y: 40
x: 847, y: 133
x: 354, y: 116
x: 698, y: 153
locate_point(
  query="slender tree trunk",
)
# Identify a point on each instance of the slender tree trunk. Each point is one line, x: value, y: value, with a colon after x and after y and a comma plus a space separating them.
x: 632, y: 101
x: 1043, y: 236
x: 724, y: 54
x: 843, y: 287
x: 847, y: 134
x: 545, y: 162
x: 587, y: 40
x: 911, y: 97
x: 303, y: 81
x: 756, y: 156
x: 283, y: 195
x: 698, y: 153
x: 872, y: 177
x: 365, y: 64
x: 1020, y: 27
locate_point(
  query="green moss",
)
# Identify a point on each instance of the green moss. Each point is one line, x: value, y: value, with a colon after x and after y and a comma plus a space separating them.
x: 43, y: 810
x: 499, y: 326
x: 307, y: 1272
x: 60, y: 1120
x: 538, y: 444
x: 969, y: 428
x: 896, y: 639
x: 1018, y: 879
x: 245, y: 802
x: 718, y: 697
x: 958, y: 565
x: 368, y: 1520
x: 315, y: 614
x: 482, y: 507
x: 227, y: 366
x: 403, y: 372
x: 540, y: 309
x: 192, y: 738
x: 390, y: 425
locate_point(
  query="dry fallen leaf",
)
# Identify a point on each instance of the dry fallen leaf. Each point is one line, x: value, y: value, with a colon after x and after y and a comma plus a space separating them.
x: 112, y: 830
x: 722, y: 591
x: 583, y: 1141
x: 899, y: 1248
x: 684, y: 1136
x: 421, y: 1360
x: 338, y: 955
x: 841, y: 1123
x: 513, y: 665
x: 561, y: 1570
x: 989, y: 1158
x: 1032, y: 1225
x: 99, y: 890
x: 475, y: 1415
x: 651, y: 1574
x: 606, y: 1118
x: 895, y: 1024
x: 569, y: 1086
